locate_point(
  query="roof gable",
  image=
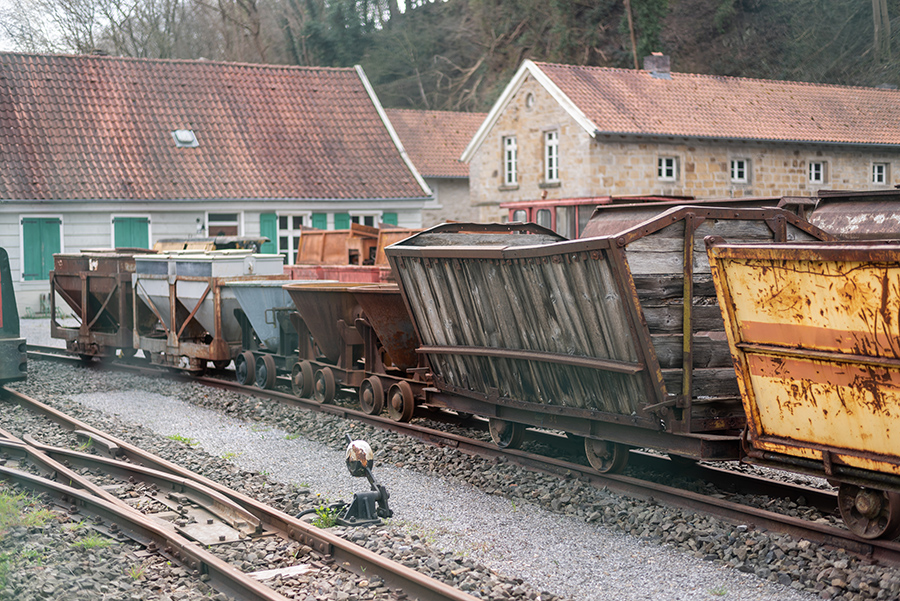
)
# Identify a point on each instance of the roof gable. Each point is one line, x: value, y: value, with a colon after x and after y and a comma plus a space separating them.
x: 634, y: 102
x: 435, y: 139
x: 88, y: 127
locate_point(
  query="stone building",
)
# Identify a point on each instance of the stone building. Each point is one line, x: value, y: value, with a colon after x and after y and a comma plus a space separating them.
x: 103, y: 151
x: 563, y: 131
x: 434, y: 140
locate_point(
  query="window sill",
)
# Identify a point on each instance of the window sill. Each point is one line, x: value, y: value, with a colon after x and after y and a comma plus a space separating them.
x: 555, y: 184
x: 507, y: 187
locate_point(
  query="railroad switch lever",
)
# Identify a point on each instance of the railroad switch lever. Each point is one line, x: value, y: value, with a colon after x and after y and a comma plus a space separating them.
x: 366, y: 507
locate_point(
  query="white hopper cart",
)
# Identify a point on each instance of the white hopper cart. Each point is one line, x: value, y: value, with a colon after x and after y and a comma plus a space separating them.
x: 194, y: 308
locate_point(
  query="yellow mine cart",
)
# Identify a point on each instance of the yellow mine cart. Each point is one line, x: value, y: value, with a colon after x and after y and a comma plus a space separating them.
x: 814, y: 331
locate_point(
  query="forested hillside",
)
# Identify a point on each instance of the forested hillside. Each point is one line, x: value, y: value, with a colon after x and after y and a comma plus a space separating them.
x: 459, y: 54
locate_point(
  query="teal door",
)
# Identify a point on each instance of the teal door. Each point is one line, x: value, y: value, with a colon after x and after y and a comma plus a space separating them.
x: 320, y: 221
x: 268, y: 227
x: 342, y: 221
x: 131, y: 232
x: 41, y: 240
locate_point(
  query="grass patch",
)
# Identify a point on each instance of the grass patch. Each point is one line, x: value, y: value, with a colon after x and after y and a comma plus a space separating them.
x: 325, y: 516
x: 183, y: 439
x: 21, y: 510
x: 229, y: 456
x: 292, y: 437
x: 92, y: 541
x: 719, y: 591
x: 136, y: 572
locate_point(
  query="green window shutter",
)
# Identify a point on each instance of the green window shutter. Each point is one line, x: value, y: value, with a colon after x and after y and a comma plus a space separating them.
x: 320, y: 221
x: 389, y: 218
x: 41, y: 238
x: 342, y: 221
x: 268, y: 227
x: 131, y: 232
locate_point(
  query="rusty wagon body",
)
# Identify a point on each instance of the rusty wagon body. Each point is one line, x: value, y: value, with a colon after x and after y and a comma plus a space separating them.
x: 616, y: 338
x: 815, y: 336
x: 96, y: 285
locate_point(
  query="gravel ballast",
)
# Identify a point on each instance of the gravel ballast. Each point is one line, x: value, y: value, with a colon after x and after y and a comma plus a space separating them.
x: 556, y: 535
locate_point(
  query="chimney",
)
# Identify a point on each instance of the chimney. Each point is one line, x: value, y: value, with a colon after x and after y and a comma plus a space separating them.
x: 658, y: 65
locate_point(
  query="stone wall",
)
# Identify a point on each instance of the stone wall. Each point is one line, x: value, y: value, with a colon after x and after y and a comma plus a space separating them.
x: 619, y: 166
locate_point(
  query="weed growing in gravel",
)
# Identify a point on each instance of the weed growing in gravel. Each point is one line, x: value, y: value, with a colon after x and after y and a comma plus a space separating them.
x: 229, y: 456
x: 259, y: 428
x: 719, y: 591
x: 183, y: 439
x: 92, y: 541
x: 33, y: 556
x: 74, y: 525
x: 136, y: 572
x: 4, y: 569
x: 86, y: 445
x: 19, y: 510
x: 292, y: 437
x: 325, y: 516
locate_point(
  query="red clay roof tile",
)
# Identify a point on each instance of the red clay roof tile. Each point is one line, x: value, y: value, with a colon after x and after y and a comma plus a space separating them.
x: 435, y: 140
x: 629, y: 101
x: 89, y: 127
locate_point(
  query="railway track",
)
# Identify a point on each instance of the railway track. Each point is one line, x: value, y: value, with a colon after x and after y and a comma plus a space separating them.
x: 886, y: 552
x: 217, y: 511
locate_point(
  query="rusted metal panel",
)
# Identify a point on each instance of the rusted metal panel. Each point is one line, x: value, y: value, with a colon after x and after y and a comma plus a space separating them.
x: 352, y: 246
x: 324, y: 306
x: 872, y: 215
x: 520, y: 316
x: 815, y: 338
x: 96, y: 285
x: 385, y: 312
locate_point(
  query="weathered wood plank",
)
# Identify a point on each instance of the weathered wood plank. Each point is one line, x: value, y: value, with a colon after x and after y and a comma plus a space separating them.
x: 709, y: 350
x: 668, y: 318
x: 710, y: 382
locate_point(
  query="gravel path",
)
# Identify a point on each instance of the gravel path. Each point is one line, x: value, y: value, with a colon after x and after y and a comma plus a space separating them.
x: 594, y: 546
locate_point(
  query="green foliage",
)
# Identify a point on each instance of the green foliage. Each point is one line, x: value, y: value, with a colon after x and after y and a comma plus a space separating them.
x: 21, y: 509
x: 182, y: 439
x: 325, y: 516
x: 92, y: 541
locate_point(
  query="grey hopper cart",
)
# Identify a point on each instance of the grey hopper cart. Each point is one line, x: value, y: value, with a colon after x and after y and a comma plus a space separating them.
x: 194, y: 309
x: 614, y: 338
x: 270, y: 330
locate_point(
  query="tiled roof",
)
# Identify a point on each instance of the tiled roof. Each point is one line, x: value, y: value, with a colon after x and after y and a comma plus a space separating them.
x: 91, y: 127
x: 434, y: 140
x: 634, y: 102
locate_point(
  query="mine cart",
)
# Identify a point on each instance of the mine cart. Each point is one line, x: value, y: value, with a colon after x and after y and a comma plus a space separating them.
x: 390, y: 343
x: 868, y: 215
x: 814, y: 334
x: 326, y: 269
x: 270, y: 330
x: 13, y: 360
x: 193, y: 308
x: 615, y: 338
x: 96, y: 284
x: 354, y: 246
x: 329, y: 310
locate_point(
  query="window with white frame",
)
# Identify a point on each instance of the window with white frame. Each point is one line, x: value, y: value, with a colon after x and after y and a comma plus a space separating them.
x: 370, y: 219
x: 289, y: 231
x: 510, y: 161
x: 817, y: 172
x: 880, y: 173
x: 667, y: 169
x: 223, y: 224
x: 740, y: 171
x: 551, y: 156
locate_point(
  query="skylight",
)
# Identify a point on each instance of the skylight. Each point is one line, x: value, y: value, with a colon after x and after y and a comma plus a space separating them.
x: 185, y: 138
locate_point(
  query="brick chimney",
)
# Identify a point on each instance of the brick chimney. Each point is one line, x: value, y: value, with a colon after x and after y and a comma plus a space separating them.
x: 658, y: 65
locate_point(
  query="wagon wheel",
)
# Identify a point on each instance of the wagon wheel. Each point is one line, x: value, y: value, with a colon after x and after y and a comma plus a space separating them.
x: 302, y: 379
x: 221, y: 364
x: 506, y: 435
x: 604, y: 456
x: 401, y: 403
x: 323, y: 391
x: 869, y: 512
x: 371, y: 395
x: 265, y: 371
x: 244, y: 368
